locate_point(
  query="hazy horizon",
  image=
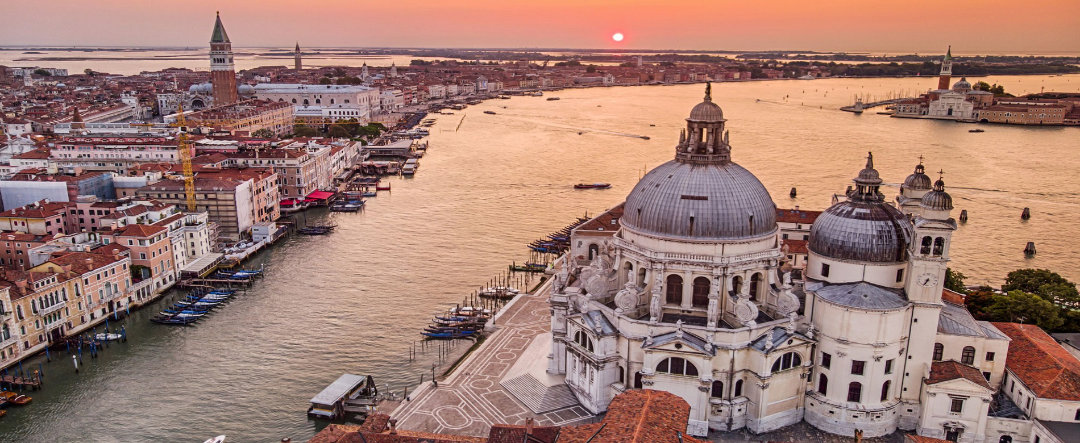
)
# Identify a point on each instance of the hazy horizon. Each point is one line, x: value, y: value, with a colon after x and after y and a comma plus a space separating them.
x: 918, y: 26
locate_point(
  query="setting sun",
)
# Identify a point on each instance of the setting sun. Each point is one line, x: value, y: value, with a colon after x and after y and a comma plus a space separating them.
x: 617, y: 37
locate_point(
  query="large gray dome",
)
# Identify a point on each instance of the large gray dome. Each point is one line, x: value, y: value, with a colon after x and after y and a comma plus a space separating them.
x: 863, y: 227
x: 861, y: 231
x: 700, y: 202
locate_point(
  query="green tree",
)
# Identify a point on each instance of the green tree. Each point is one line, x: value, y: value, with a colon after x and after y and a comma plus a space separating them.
x: 590, y: 68
x: 338, y: 131
x: 978, y: 301
x: 954, y: 281
x: 1019, y: 306
x: 981, y: 86
x: 88, y: 71
x: 302, y: 130
x: 1044, y: 283
x: 326, y: 81
x: 42, y: 72
x: 263, y: 133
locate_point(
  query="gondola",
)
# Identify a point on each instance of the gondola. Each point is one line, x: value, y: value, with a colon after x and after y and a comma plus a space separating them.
x: 15, y: 398
x: 448, y: 335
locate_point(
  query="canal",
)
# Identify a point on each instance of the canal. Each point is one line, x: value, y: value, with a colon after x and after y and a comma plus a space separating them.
x: 354, y: 301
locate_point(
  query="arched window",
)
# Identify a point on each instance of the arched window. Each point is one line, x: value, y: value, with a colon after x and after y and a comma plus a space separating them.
x: 622, y: 374
x: 306, y: 102
x: 674, y: 290
x: 926, y: 243
x: 18, y: 310
x: 582, y: 339
x: 318, y: 101
x: 738, y: 389
x: 823, y: 384
x: 854, y: 392
x: 755, y: 285
x: 701, y: 292
x: 637, y: 380
x: 786, y: 361
x: 939, y: 351
x: 968, y: 356
x: 331, y: 101
x: 736, y: 284
x: 594, y: 250
x: 676, y: 366
x: 939, y: 246
x: 1005, y: 439
x: 885, y: 390
x: 717, y: 389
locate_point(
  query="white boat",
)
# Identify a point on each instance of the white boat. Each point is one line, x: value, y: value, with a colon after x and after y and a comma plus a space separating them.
x: 218, y: 439
x: 108, y: 337
x: 806, y: 77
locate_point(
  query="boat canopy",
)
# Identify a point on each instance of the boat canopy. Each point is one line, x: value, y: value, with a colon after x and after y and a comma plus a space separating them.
x: 319, y: 195
x: 339, y: 389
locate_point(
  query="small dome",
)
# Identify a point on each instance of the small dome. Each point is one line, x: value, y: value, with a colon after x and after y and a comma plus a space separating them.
x: 201, y: 87
x: 700, y: 202
x: 863, y: 227
x: 962, y: 85
x: 918, y: 181
x: 245, y: 89
x: 938, y: 199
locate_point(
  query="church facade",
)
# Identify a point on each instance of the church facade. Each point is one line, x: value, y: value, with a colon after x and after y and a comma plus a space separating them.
x: 690, y: 292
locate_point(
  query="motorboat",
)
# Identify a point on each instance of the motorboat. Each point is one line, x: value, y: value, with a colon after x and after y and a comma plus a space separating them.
x: 551, y: 99
x: 490, y: 112
x: 976, y: 130
x: 592, y: 186
x: 107, y: 336
x: 218, y: 439
x: 15, y: 398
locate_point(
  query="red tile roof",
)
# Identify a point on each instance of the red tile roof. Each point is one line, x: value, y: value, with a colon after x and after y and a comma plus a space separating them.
x: 953, y: 297
x: 941, y: 371
x: 638, y: 416
x: 796, y: 216
x: 138, y: 230
x: 1041, y: 363
x: 795, y: 246
x: 603, y: 222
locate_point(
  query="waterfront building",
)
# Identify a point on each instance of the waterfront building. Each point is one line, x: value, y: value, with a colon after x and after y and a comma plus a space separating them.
x: 235, y: 199
x: 245, y: 118
x: 691, y: 293
x: 1042, y: 381
x: 16, y: 249
x: 323, y: 103
x: 222, y: 71
x: 151, y: 254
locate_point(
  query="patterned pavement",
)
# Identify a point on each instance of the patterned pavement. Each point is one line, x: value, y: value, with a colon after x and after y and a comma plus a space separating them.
x: 471, y: 399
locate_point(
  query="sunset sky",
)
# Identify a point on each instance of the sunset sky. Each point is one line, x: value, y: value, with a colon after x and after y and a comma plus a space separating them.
x: 971, y: 26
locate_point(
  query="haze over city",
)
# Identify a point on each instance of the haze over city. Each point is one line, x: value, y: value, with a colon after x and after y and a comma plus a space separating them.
x: 978, y: 27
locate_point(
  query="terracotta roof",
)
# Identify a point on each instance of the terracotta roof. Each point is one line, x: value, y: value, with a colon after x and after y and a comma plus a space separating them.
x: 37, y: 210
x: 796, y: 216
x: 83, y: 262
x: 795, y: 246
x: 603, y: 222
x: 912, y: 438
x: 110, y: 249
x: 941, y: 371
x: 637, y: 415
x: 953, y: 297
x: 1041, y: 363
x: 36, y: 154
x: 138, y: 230
x: 22, y: 236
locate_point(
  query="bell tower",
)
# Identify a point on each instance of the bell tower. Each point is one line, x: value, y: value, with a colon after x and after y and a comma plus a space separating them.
x: 946, y: 70
x: 222, y: 71
x: 930, y: 246
x: 297, y: 64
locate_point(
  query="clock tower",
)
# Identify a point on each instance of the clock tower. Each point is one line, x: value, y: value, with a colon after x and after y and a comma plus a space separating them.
x: 929, y: 250
x: 928, y: 258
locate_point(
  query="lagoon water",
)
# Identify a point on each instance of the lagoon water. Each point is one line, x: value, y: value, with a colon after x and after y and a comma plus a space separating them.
x: 354, y: 301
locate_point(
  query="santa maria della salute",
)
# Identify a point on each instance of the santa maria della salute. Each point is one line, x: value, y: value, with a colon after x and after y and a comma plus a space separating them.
x: 692, y: 286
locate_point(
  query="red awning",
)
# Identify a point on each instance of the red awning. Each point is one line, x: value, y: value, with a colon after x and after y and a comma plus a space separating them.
x: 319, y: 195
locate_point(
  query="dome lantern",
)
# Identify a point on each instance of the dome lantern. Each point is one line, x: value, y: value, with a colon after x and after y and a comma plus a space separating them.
x: 867, y: 183
x: 937, y: 199
x: 705, y: 142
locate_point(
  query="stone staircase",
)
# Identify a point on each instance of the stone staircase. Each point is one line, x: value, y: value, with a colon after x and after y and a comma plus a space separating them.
x: 537, y: 396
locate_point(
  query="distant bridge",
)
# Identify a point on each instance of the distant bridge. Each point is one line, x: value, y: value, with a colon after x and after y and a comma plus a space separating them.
x: 859, y: 106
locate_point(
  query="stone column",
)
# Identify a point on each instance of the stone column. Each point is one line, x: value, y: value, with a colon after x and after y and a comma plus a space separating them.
x: 687, y: 290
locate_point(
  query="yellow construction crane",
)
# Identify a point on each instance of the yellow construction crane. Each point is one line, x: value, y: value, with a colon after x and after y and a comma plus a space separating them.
x: 184, y: 150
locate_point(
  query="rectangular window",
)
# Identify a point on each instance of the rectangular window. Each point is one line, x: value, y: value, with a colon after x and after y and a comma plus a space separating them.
x: 957, y: 405
x: 888, y: 366
x: 826, y: 360
x: 986, y: 375
x: 899, y: 275
x: 824, y: 269
x: 989, y: 356
x: 857, y: 367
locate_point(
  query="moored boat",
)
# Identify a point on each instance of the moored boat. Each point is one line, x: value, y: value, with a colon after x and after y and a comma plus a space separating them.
x: 592, y: 186
x: 15, y: 398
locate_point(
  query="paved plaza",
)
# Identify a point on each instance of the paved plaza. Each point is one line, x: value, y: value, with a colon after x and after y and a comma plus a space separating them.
x: 473, y: 398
